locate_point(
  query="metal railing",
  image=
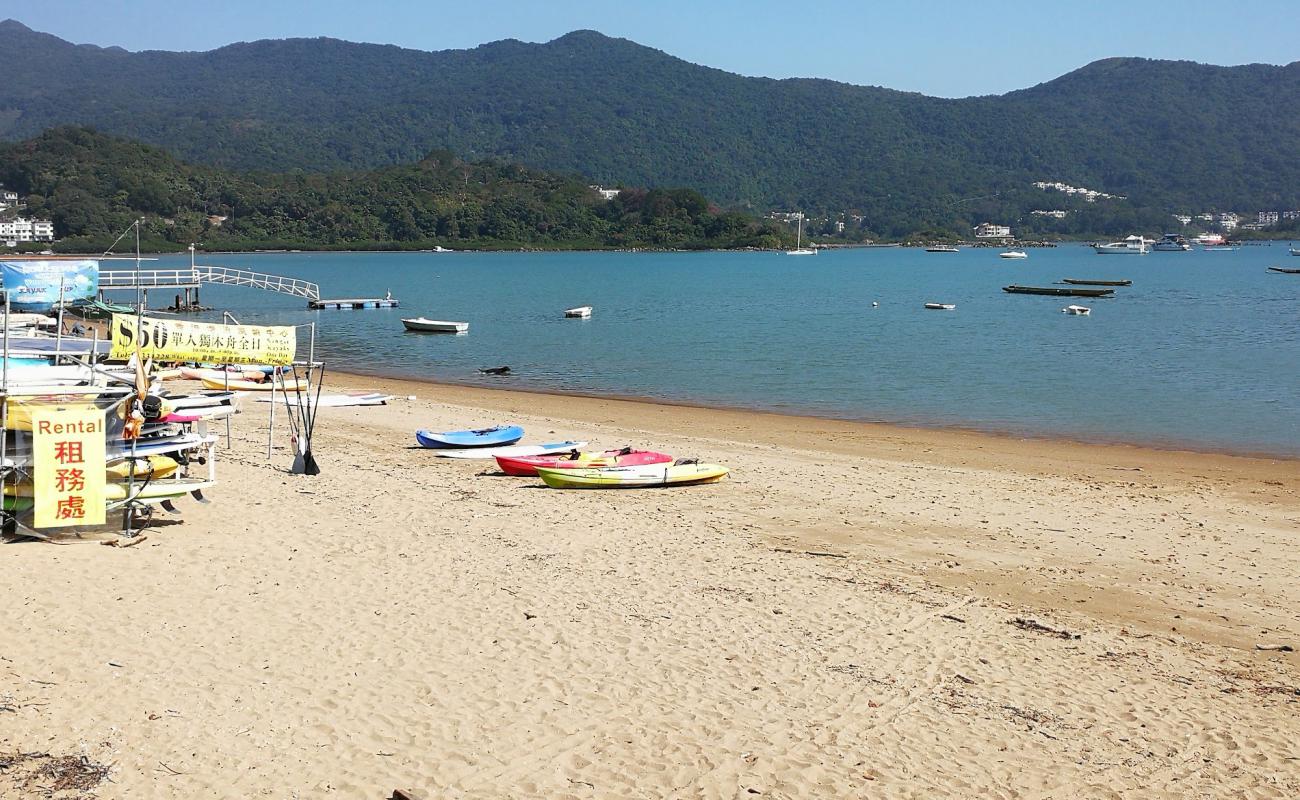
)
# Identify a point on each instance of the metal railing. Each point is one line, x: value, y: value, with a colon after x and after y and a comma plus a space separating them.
x: 258, y: 280
x: 148, y: 278
x: 191, y: 277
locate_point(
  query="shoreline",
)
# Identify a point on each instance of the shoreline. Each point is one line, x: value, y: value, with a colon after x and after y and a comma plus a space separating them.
x: 880, y: 428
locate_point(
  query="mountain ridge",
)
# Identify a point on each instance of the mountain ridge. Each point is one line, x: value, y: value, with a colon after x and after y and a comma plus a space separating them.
x: 1169, y: 133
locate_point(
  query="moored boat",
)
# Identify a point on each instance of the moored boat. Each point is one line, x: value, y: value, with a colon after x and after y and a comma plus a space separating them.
x: 941, y: 306
x: 1285, y: 270
x: 422, y: 325
x: 1084, y: 282
x: 941, y: 248
x: 1058, y: 291
x: 1013, y: 254
x: 581, y: 312
x: 1132, y: 245
x: 1077, y: 311
x: 1171, y: 243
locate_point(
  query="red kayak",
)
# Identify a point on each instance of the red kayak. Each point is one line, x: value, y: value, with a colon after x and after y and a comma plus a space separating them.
x: 524, y: 466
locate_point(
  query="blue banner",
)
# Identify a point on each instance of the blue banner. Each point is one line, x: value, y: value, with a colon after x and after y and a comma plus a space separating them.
x: 35, y: 285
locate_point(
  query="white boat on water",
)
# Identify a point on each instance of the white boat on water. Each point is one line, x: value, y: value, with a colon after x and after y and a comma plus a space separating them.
x: 941, y: 306
x: 799, y: 249
x: 1013, y: 254
x: 1295, y: 252
x: 581, y: 312
x: 1132, y: 245
x: 1171, y: 243
x: 941, y: 248
x: 1210, y: 239
x: 1078, y: 311
x: 435, y: 325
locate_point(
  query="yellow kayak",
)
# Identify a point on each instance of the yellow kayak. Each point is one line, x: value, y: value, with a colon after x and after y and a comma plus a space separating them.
x: 152, y: 490
x: 240, y: 385
x: 680, y: 473
x: 152, y: 468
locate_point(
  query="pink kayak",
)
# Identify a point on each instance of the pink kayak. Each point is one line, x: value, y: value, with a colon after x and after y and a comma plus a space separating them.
x: 574, y: 459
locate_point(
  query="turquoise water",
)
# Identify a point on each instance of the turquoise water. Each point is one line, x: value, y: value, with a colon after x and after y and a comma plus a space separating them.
x: 1202, y: 351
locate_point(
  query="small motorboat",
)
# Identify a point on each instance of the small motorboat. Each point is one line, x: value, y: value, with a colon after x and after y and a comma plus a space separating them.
x: 1058, y: 291
x: 423, y: 325
x: 1090, y: 282
x: 1013, y: 254
x: 581, y: 312
x: 941, y: 306
x: 1077, y: 311
x: 1285, y: 270
x: 941, y: 248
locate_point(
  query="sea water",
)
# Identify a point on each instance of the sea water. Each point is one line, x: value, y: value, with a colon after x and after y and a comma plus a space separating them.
x: 1202, y: 351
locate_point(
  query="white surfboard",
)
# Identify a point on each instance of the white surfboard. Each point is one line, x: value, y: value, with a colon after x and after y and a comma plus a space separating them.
x: 334, y: 400
x: 510, y: 450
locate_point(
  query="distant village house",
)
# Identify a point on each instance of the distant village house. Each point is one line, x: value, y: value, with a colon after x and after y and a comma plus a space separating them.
x: 606, y: 194
x: 990, y: 231
x: 26, y: 230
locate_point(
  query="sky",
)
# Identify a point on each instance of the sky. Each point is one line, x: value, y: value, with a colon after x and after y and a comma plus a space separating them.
x: 947, y: 49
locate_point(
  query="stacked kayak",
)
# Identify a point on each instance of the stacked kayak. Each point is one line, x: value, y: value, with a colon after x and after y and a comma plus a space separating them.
x: 526, y: 465
x: 496, y: 436
x: 678, y: 473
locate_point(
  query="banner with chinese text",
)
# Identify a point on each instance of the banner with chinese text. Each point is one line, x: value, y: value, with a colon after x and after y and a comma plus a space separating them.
x: 181, y: 340
x: 68, y: 461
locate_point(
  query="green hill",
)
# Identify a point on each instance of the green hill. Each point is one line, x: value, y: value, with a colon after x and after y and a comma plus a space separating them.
x: 1167, y: 135
x: 94, y: 186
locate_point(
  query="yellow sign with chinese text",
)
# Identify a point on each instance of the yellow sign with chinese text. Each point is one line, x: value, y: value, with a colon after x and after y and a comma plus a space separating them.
x: 181, y: 340
x: 68, y: 461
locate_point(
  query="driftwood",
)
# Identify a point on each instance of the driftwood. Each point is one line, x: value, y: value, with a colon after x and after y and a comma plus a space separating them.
x: 809, y: 552
x: 1038, y: 627
x: 1280, y: 648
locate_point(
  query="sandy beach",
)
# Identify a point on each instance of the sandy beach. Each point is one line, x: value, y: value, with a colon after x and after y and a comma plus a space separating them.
x: 858, y: 611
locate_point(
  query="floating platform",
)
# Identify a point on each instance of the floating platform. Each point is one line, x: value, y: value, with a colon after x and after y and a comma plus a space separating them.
x: 354, y: 302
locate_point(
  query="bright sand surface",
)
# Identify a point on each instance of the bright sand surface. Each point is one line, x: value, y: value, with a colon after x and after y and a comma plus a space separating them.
x: 835, y: 620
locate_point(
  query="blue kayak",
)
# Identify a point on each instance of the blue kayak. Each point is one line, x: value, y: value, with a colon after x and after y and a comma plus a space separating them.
x: 485, y: 437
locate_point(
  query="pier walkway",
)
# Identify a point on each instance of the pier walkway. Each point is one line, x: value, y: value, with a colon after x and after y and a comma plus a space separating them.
x: 190, y: 277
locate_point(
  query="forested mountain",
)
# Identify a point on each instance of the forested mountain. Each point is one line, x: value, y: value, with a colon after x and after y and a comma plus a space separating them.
x: 1168, y: 135
x: 94, y: 186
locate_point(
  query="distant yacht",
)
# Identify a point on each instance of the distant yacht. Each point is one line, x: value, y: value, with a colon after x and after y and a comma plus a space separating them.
x: 941, y: 248
x: 1210, y: 240
x: 799, y: 249
x: 1132, y: 245
x: 1013, y: 254
x: 1171, y: 243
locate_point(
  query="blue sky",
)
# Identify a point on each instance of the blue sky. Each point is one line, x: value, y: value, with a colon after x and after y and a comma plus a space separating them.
x: 950, y: 49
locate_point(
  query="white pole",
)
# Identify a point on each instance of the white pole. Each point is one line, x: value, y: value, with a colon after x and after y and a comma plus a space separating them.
x: 58, y: 331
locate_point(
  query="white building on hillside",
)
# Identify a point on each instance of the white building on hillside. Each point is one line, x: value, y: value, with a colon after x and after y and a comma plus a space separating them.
x: 27, y: 230
x: 607, y: 194
x: 990, y: 231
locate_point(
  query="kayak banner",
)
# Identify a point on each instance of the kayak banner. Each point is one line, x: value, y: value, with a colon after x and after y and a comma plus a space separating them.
x: 179, y: 340
x: 35, y: 285
x: 68, y: 465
